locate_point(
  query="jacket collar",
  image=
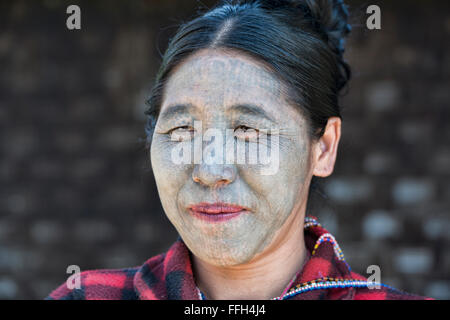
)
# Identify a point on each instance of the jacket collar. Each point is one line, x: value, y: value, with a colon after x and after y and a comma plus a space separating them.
x: 169, y: 275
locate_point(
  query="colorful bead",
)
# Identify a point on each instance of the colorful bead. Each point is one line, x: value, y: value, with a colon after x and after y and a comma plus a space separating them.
x: 201, y: 296
x: 340, y: 283
x: 311, y: 222
x: 329, y: 237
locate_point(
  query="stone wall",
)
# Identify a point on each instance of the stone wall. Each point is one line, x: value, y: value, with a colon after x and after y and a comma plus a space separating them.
x: 76, y: 185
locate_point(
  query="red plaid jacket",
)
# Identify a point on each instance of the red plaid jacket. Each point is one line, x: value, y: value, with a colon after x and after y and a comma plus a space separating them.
x: 169, y: 275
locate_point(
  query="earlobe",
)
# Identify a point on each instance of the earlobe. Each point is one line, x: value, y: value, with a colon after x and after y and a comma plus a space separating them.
x: 327, y: 148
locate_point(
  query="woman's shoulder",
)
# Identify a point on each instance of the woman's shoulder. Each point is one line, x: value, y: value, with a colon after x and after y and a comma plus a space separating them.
x: 386, y: 293
x: 106, y: 284
x: 102, y: 284
x: 381, y: 291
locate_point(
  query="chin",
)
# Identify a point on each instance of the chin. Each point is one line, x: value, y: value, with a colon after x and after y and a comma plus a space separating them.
x: 223, y: 255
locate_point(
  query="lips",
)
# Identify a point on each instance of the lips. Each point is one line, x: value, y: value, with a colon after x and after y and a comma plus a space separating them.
x: 216, y: 212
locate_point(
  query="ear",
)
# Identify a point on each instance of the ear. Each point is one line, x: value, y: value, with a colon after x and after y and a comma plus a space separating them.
x: 325, y: 149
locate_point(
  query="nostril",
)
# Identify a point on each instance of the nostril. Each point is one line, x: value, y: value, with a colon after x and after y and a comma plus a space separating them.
x: 213, y: 177
x: 223, y: 182
x: 199, y: 180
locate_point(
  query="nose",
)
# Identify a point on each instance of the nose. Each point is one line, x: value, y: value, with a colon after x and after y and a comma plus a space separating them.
x: 214, y: 175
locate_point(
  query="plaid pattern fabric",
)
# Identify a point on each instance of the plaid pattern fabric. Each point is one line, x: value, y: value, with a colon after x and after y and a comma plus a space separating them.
x: 169, y: 276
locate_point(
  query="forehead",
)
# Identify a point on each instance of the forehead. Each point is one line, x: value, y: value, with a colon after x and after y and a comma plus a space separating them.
x: 220, y: 79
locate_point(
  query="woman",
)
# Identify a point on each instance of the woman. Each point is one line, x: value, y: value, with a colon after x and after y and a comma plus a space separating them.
x: 245, y: 76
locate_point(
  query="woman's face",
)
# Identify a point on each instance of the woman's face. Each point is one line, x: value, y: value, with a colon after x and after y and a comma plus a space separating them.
x: 228, y: 211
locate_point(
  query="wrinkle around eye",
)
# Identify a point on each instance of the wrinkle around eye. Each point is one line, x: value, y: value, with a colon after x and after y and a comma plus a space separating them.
x: 259, y: 133
x: 182, y: 133
x: 244, y: 132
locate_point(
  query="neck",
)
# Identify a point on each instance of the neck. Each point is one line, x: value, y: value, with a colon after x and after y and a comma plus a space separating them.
x: 265, y: 276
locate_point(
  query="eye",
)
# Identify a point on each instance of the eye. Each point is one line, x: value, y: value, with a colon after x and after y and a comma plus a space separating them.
x: 183, y: 133
x: 246, y: 133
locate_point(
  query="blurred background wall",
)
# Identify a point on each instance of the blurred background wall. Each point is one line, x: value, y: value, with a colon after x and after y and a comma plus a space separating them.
x: 75, y: 181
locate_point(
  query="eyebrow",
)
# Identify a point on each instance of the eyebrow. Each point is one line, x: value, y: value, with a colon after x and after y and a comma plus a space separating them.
x: 176, y: 109
x: 252, y: 109
x: 243, y: 108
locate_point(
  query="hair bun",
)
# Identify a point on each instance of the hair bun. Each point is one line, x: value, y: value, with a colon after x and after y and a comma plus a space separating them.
x: 331, y: 17
x: 328, y: 17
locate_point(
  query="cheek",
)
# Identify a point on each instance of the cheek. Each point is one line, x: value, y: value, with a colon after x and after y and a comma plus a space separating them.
x: 162, y: 157
x: 169, y: 177
x: 280, y: 192
x: 295, y: 165
x: 294, y: 170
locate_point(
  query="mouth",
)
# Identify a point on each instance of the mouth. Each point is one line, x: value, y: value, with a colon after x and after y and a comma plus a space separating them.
x: 216, y: 212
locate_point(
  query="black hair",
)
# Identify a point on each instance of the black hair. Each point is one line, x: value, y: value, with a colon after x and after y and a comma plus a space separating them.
x: 301, y: 40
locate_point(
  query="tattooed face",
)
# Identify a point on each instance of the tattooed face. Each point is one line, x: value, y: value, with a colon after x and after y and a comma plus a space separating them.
x: 228, y: 213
